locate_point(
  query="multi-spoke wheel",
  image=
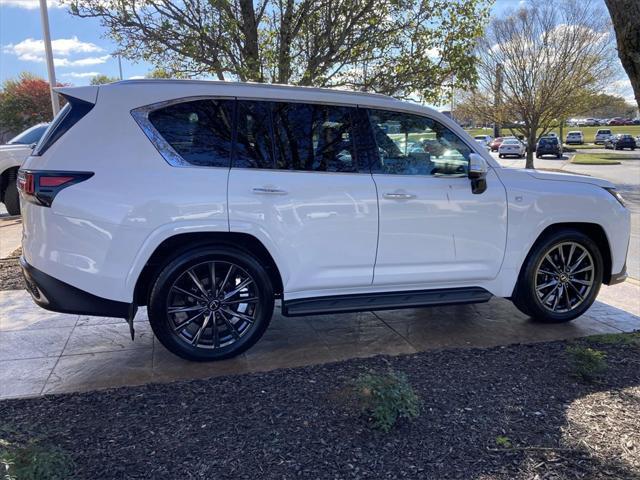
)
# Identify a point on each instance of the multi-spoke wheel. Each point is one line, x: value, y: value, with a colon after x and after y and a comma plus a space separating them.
x: 211, y: 303
x: 561, y: 277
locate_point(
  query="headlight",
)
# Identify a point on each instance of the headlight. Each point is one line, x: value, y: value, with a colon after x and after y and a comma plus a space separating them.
x: 616, y: 195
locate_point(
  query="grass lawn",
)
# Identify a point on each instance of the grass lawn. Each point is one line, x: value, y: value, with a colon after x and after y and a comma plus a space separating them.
x: 599, y: 159
x: 588, y: 132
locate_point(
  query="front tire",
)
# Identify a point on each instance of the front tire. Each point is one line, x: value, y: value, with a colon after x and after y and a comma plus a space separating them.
x: 560, y: 278
x: 211, y: 303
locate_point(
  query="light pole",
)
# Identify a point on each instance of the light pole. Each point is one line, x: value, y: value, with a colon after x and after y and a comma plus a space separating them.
x: 44, y: 16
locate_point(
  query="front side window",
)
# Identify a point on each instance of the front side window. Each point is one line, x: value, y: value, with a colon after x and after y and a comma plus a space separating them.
x: 200, y: 131
x: 313, y: 137
x: 414, y: 145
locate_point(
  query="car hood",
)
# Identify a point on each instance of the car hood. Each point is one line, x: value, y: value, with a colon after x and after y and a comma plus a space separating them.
x: 17, y: 147
x: 568, y: 177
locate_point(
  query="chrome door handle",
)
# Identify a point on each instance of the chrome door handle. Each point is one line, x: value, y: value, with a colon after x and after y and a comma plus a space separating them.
x: 399, y: 196
x: 269, y: 191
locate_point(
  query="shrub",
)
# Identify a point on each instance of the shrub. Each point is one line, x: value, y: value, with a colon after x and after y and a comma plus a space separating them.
x: 33, y: 461
x: 619, y: 339
x: 386, y: 398
x: 587, y: 364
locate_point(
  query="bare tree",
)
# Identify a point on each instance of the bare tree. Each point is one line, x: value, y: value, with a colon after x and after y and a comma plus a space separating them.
x: 553, y: 57
x: 625, y: 15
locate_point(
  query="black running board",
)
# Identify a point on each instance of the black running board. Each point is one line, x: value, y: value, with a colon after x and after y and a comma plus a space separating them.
x: 383, y: 301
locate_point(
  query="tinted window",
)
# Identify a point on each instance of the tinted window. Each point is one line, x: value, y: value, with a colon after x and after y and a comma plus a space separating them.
x: 313, y: 137
x: 254, y: 146
x: 32, y: 135
x: 200, y: 131
x: 414, y: 145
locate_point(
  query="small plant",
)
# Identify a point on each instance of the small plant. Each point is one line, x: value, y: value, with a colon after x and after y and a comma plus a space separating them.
x: 503, y: 441
x: 588, y: 364
x: 33, y: 461
x: 386, y: 398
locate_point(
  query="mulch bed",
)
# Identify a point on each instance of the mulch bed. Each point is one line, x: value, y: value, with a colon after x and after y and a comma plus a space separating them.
x: 295, y: 423
x: 11, y: 274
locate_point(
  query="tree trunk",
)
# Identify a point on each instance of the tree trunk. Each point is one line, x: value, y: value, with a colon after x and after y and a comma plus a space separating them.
x: 250, y: 49
x: 625, y: 15
x: 284, y: 49
x: 531, y: 142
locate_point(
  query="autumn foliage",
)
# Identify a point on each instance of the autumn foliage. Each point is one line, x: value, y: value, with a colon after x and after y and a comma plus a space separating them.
x: 24, y: 102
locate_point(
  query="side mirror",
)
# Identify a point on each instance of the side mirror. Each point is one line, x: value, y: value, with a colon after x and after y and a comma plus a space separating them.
x: 477, y: 173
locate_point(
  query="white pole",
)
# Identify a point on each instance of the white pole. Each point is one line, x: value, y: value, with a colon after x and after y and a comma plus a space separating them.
x: 44, y: 16
x: 120, y: 66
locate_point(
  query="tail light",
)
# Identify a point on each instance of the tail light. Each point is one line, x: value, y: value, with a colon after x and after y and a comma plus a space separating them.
x: 42, y: 186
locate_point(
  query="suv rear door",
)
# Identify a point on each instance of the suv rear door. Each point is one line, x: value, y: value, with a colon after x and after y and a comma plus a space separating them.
x: 433, y: 229
x: 295, y: 184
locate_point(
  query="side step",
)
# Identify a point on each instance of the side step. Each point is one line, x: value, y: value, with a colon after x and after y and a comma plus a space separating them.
x: 383, y: 301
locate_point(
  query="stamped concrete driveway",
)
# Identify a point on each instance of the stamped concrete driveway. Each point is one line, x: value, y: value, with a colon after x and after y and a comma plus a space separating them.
x: 43, y: 352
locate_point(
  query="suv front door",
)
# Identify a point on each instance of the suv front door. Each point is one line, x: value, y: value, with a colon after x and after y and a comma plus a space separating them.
x: 433, y: 229
x: 296, y: 185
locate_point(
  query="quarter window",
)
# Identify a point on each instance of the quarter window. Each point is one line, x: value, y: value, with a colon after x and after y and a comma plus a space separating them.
x: 199, y: 131
x: 414, y: 145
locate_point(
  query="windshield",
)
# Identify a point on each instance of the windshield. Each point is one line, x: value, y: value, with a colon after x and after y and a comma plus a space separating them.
x: 548, y: 141
x: 511, y: 142
x: 29, y: 136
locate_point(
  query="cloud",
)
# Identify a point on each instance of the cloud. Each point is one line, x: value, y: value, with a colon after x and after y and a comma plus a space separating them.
x: 137, y: 77
x: 81, y: 74
x: 33, y: 50
x: 82, y: 62
x: 30, y: 4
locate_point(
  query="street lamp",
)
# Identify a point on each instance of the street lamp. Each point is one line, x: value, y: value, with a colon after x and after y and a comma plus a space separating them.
x: 44, y: 16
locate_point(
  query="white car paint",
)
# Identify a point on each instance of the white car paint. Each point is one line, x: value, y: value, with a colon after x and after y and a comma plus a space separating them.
x: 602, y: 135
x: 512, y: 147
x: 329, y: 233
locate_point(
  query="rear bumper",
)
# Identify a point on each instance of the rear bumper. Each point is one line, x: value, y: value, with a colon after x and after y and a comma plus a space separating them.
x: 55, y: 295
x: 618, y: 277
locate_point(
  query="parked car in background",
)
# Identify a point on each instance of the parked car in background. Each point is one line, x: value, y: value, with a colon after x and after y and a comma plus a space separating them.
x: 486, y: 139
x: 602, y: 135
x: 495, y: 143
x: 483, y: 144
x: 512, y: 147
x: 12, y: 154
x: 616, y: 121
x: 620, y: 142
x: 549, y: 146
x: 300, y: 195
x: 574, y: 138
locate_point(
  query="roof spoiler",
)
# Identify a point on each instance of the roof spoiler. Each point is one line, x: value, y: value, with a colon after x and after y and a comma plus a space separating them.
x: 87, y: 94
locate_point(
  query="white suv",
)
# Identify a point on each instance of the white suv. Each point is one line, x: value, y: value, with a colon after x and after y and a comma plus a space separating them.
x: 207, y: 201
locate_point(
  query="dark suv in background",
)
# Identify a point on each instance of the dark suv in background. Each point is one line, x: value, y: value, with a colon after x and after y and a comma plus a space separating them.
x: 620, y: 141
x: 549, y: 146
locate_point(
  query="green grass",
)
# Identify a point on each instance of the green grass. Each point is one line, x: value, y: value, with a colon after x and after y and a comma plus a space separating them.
x: 619, y: 339
x: 588, y: 132
x: 34, y: 461
x: 596, y: 159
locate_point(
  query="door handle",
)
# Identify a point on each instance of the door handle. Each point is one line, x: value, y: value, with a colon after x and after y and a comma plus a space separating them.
x: 269, y: 191
x: 399, y: 196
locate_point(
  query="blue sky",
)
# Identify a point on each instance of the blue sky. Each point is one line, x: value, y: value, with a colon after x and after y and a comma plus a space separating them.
x: 82, y: 49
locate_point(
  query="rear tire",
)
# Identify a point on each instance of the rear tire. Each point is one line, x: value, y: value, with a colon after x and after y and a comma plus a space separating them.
x: 12, y: 197
x: 560, y: 278
x: 205, y: 320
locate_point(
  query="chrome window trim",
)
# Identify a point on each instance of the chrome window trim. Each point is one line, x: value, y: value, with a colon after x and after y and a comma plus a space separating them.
x: 170, y: 155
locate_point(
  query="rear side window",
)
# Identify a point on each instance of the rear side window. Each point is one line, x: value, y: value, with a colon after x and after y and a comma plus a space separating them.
x: 70, y: 114
x: 200, y: 131
x: 254, y: 146
x: 316, y: 138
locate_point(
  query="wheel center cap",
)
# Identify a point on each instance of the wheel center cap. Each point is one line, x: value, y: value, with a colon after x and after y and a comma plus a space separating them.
x: 214, y: 305
x: 564, y: 278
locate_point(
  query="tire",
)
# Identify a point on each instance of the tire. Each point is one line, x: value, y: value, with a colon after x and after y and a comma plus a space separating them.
x: 500, y: 155
x: 559, y: 156
x: 233, y: 334
x: 12, y: 197
x: 550, y: 307
x: 538, y: 156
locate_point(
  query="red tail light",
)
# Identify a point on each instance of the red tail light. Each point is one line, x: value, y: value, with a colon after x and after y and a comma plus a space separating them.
x: 41, y: 186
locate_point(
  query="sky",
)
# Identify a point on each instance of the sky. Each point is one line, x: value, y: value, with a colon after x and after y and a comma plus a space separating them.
x: 82, y: 49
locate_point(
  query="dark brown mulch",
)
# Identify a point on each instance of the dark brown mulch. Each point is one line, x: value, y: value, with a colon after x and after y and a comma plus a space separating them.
x: 10, y: 274
x: 291, y: 423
